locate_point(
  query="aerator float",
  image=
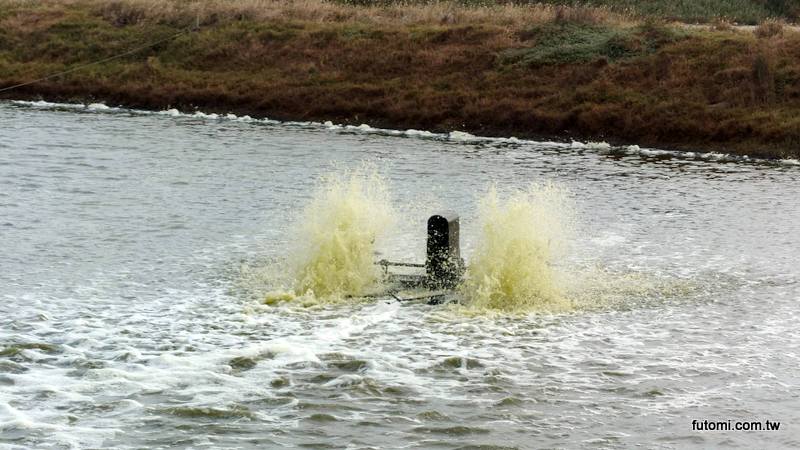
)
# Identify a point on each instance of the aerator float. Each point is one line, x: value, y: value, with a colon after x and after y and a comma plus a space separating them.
x: 444, y: 267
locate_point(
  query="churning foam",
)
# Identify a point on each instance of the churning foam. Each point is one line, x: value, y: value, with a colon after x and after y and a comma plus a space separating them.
x: 520, y: 236
x: 337, y: 236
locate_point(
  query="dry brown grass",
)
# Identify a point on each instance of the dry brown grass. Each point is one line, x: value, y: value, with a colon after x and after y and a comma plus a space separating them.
x: 722, y: 25
x: 770, y: 28
x: 127, y: 12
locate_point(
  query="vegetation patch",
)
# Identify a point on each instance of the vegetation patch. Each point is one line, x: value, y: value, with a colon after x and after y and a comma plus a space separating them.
x: 748, y: 12
x: 577, y: 43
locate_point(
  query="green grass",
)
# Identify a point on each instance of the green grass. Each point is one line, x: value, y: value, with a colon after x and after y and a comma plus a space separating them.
x: 742, y: 11
x: 575, y: 43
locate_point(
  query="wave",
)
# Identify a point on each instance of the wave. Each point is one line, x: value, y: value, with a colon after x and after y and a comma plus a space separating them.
x: 453, y: 136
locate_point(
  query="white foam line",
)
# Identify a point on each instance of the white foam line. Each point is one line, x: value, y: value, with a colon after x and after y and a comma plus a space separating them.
x: 453, y: 136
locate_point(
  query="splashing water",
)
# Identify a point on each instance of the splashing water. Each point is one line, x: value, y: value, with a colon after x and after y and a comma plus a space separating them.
x: 338, y: 234
x: 520, y: 236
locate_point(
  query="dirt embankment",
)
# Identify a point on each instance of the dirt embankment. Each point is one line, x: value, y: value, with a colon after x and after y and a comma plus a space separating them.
x: 509, y: 70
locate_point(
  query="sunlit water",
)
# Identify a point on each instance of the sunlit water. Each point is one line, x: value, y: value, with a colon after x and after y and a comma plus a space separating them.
x: 127, y: 319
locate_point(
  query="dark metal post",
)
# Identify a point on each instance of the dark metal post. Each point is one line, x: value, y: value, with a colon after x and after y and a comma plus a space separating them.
x: 443, y: 265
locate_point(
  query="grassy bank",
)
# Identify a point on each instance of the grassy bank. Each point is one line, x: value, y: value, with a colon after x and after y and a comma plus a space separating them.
x: 529, y: 70
x: 745, y: 12
x: 749, y: 12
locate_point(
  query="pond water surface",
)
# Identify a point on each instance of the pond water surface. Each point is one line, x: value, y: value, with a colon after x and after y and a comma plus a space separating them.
x: 124, y: 323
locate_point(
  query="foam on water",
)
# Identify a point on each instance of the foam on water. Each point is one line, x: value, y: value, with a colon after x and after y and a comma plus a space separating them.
x: 597, y: 288
x: 521, y: 235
